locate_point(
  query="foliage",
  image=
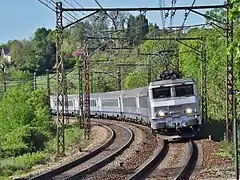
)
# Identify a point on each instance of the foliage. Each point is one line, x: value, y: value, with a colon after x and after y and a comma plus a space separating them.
x: 226, y: 150
x: 24, y: 120
x: 235, y: 10
x: 21, y: 163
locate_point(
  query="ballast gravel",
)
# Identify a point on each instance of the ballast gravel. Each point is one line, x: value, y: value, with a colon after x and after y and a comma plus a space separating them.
x: 172, y: 162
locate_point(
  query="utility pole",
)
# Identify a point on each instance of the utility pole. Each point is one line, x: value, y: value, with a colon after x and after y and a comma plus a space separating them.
x: 91, y: 84
x: 119, y: 78
x: 34, y: 81
x: 60, y: 81
x: 80, y: 98
x: 48, y: 90
x: 229, y: 79
x: 204, y: 81
x: 4, y: 78
x: 149, y: 71
x: 87, y: 123
x: 235, y: 130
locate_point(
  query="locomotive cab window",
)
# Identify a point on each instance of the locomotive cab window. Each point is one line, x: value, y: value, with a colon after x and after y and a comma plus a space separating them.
x: 161, y: 92
x: 184, y: 90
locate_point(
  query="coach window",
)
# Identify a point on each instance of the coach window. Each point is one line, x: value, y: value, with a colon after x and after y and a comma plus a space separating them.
x: 93, y: 103
x: 161, y: 92
x: 70, y: 103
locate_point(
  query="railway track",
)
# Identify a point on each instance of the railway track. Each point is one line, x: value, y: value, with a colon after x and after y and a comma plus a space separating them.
x: 174, y: 160
x: 127, y: 163
x: 120, y: 139
x: 169, y: 162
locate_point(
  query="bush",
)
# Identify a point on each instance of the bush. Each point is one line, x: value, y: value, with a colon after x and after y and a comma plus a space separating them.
x: 25, y: 162
x: 24, y: 121
x: 23, y: 140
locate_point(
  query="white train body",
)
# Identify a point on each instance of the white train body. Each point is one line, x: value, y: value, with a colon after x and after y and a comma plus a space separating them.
x: 165, y: 104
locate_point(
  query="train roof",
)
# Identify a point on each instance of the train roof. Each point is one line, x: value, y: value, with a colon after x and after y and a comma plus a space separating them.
x: 135, y: 92
x: 111, y: 95
x: 170, y: 81
x: 95, y: 95
x: 144, y: 91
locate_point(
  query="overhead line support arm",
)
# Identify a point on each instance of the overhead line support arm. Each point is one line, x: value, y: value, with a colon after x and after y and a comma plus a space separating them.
x: 80, y: 20
x: 209, y: 17
x: 147, y: 9
x: 145, y: 39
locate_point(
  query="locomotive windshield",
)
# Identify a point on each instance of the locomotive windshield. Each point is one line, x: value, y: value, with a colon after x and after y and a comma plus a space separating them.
x: 161, y: 92
x: 184, y: 90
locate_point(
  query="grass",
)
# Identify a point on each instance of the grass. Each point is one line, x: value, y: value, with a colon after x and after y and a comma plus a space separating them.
x: 16, y: 166
x: 226, y: 150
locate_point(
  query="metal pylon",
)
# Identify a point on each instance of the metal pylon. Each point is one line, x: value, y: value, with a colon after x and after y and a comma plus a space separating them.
x: 229, y: 85
x: 87, y: 123
x: 204, y: 81
x: 60, y: 81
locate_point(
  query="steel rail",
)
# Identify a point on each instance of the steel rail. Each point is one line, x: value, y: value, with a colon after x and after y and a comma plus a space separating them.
x: 104, y: 161
x: 79, y: 161
x: 189, y: 163
x: 151, y: 163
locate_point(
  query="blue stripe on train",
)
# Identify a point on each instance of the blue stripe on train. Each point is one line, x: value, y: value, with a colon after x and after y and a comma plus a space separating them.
x: 117, y: 112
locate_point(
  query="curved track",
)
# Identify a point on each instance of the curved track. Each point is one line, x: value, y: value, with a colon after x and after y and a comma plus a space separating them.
x: 170, y: 161
x: 190, y: 162
x: 144, y: 145
x: 120, y: 139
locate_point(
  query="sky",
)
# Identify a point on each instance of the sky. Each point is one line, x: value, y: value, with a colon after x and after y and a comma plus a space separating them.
x: 21, y: 18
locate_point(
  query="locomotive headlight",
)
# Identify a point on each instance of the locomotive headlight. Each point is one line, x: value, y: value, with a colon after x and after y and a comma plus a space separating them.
x: 161, y: 113
x: 189, y: 110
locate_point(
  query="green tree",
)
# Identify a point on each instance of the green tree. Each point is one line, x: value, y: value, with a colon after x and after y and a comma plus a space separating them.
x: 16, y: 52
x: 44, y: 50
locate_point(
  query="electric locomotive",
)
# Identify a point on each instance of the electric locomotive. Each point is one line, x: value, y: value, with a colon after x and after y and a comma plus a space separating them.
x: 174, y: 104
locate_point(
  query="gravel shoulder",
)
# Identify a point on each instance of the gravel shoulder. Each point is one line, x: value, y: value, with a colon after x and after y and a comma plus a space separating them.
x: 213, y: 166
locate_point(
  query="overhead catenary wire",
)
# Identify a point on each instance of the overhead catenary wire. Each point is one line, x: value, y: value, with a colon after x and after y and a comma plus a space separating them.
x: 46, y: 4
x: 107, y: 14
x: 160, y: 3
x: 173, y: 11
x: 182, y: 26
x: 79, y: 5
x: 72, y: 7
x: 52, y: 7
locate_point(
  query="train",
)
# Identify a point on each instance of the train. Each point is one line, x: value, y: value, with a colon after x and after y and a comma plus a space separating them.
x: 169, y: 104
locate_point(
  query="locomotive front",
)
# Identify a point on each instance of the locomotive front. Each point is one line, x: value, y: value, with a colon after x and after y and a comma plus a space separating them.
x: 174, y: 105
